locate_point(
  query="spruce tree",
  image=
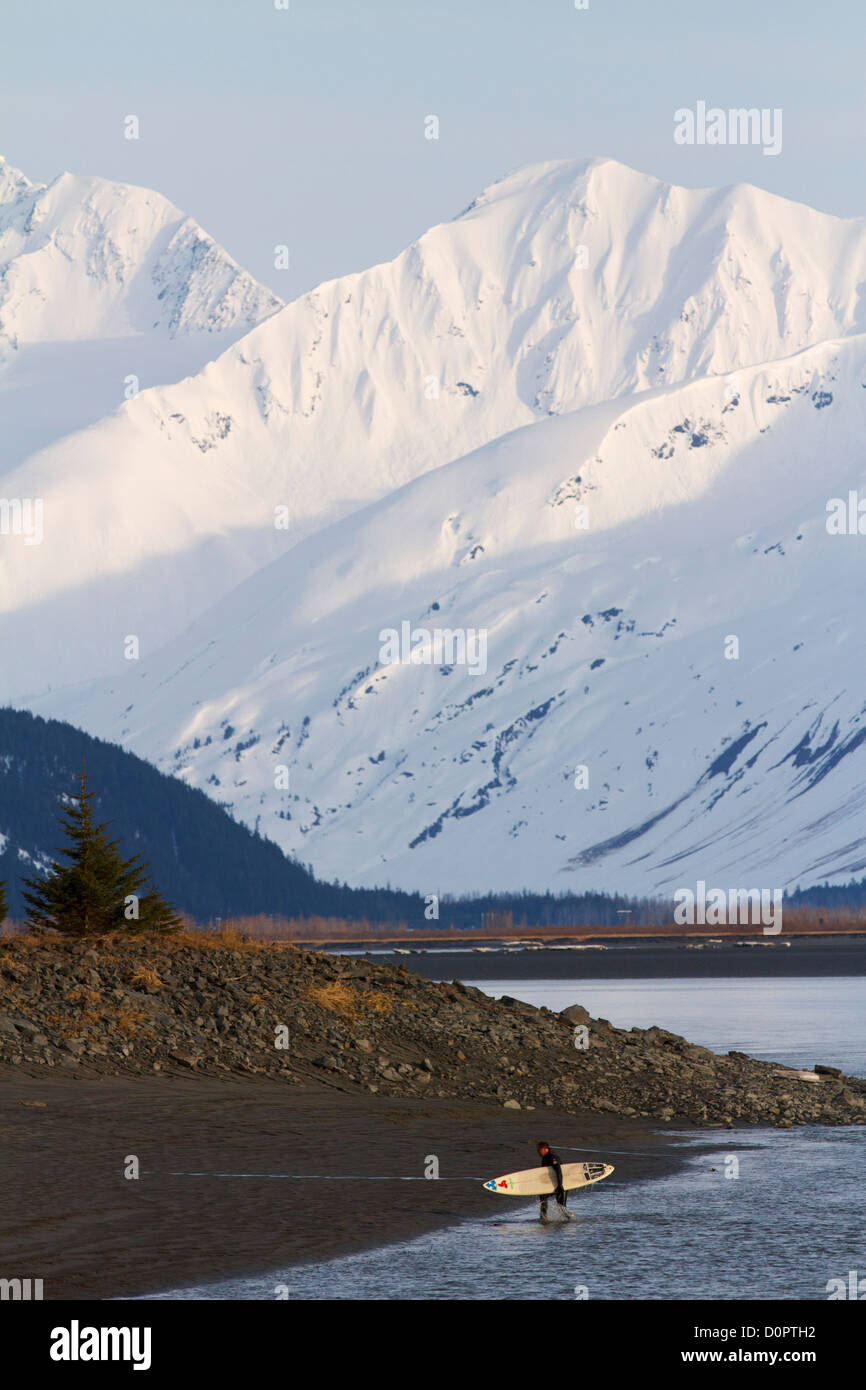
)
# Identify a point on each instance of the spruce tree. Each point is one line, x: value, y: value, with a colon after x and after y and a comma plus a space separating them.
x: 3, y: 908
x: 97, y: 891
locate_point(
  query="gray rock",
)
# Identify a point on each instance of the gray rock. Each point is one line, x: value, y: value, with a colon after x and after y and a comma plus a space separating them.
x: 575, y: 1013
x: 518, y: 1005
x: 186, y: 1059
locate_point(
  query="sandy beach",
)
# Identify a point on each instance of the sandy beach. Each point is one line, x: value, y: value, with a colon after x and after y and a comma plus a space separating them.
x: 73, y: 1220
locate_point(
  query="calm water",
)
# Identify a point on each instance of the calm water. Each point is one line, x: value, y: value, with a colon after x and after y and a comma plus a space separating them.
x: 797, y: 1022
x: 793, y: 1219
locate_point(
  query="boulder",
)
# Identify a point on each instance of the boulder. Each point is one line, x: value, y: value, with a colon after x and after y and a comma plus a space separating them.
x: 576, y: 1013
x: 186, y: 1059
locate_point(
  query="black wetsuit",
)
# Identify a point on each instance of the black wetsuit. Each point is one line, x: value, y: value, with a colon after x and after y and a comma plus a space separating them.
x: 551, y: 1160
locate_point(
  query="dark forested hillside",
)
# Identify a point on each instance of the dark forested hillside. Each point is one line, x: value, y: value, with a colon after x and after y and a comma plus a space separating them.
x: 203, y: 861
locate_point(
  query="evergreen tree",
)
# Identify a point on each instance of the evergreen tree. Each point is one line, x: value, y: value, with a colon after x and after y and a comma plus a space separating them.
x: 3, y: 908
x: 97, y: 891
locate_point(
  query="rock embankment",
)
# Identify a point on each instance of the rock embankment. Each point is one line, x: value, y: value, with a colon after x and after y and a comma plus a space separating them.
x: 230, y: 1007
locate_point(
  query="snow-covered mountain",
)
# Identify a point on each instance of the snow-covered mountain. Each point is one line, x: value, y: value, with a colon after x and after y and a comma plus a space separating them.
x: 595, y: 422
x: 608, y: 647
x: 101, y: 282
x: 564, y: 285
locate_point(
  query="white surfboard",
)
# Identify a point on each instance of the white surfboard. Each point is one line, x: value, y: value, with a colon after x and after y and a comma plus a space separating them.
x: 535, y: 1182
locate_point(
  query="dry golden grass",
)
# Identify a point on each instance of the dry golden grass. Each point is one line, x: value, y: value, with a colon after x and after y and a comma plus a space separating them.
x: 82, y: 995
x: 274, y: 931
x: 145, y: 977
x: 58, y: 1024
x: 73, y: 1025
x: 497, y: 925
x: 127, y: 1019
x: 10, y: 966
x: 376, y: 1002
x: 22, y: 940
x: 89, y: 1019
x: 336, y: 997
x: 228, y: 938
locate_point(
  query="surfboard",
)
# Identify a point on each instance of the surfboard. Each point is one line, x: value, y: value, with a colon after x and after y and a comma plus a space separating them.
x: 535, y: 1182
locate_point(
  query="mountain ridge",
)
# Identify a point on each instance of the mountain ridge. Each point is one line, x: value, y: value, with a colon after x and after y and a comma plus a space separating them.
x: 418, y: 774
x: 485, y: 323
x: 105, y: 288
x: 693, y: 387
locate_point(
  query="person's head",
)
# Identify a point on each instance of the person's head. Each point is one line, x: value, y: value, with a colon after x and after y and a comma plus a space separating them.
x: 542, y: 1147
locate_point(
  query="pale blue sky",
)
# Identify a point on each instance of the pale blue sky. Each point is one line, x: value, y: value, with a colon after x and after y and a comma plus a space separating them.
x: 306, y: 126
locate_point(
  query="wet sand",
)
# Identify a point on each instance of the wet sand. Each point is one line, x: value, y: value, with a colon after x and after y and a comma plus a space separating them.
x: 70, y: 1217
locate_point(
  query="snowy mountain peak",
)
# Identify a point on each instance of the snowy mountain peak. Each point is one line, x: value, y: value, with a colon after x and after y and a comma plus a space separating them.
x: 92, y: 258
x: 566, y: 285
x: 12, y: 182
x: 553, y: 178
x: 105, y: 288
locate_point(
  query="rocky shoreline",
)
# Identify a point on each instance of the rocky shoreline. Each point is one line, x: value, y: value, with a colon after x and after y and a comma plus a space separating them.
x: 228, y: 1007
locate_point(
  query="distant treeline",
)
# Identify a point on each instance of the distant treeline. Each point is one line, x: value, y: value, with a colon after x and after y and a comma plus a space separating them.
x: 845, y: 897
x: 552, y: 910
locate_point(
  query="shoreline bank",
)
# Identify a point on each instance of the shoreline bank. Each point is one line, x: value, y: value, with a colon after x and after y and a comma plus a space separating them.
x: 138, y: 1072
x: 74, y: 1220
x: 646, y: 960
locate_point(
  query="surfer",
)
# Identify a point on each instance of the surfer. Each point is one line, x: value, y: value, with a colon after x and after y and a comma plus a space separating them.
x: 551, y: 1160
